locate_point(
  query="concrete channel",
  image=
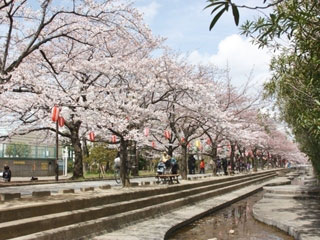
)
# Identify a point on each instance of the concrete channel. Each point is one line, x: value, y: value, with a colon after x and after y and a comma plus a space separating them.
x: 108, y: 211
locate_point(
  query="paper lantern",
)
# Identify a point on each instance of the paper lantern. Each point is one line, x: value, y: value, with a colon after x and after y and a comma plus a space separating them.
x: 55, y: 113
x: 182, y: 140
x: 113, y: 138
x: 167, y: 134
x: 91, y: 136
x: 208, y: 141
x: 61, y: 121
x: 198, y: 144
x: 153, y: 144
x: 146, y: 132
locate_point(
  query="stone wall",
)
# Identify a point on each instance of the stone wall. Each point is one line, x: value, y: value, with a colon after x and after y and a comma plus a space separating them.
x: 29, y: 167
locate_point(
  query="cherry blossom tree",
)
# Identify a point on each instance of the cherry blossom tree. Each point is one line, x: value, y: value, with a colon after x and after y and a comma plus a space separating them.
x: 187, y: 109
x: 81, y: 74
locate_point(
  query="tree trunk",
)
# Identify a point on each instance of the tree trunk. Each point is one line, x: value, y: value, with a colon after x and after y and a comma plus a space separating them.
x: 214, y: 151
x: 232, y: 157
x: 85, y: 153
x: 170, y: 150
x: 255, y: 160
x: 76, y: 144
x: 134, y: 158
x: 183, y: 167
x: 262, y: 163
x: 124, y: 163
x: 245, y: 158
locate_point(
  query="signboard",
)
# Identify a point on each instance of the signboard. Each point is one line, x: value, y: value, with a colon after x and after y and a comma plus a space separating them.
x: 19, y: 162
x: 44, y: 166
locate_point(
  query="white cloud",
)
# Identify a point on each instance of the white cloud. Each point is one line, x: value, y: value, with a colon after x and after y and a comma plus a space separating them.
x: 149, y: 11
x: 242, y: 58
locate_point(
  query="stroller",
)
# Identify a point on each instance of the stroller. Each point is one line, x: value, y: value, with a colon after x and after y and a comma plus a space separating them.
x: 161, y: 168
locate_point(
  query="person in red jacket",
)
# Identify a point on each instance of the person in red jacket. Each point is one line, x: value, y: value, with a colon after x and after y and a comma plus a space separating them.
x: 202, y: 165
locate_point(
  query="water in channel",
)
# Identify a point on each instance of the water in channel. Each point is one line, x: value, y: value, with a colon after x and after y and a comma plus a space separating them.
x: 234, y: 222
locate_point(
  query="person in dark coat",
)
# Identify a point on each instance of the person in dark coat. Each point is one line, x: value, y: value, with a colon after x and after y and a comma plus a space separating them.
x: 6, y: 175
x: 174, y: 166
x: 225, y: 165
x: 191, y: 164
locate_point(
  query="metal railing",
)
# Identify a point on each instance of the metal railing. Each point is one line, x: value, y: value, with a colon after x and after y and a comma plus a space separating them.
x: 20, y: 150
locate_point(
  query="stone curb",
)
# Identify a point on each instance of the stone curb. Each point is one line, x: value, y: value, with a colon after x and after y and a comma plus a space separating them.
x: 87, y: 189
x: 41, y: 194
x: 10, y: 196
x: 64, y: 191
x: 105, y: 187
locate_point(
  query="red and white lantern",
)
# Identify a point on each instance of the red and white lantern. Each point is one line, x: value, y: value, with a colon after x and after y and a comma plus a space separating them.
x: 182, y: 140
x: 208, y: 141
x: 61, y: 121
x: 153, y: 144
x: 146, y: 132
x: 55, y: 113
x: 91, y: 136
x: 167, y: 134
x: 113, y: 138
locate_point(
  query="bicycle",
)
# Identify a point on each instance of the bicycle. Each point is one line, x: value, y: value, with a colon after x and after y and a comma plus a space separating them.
x: 117, y: 177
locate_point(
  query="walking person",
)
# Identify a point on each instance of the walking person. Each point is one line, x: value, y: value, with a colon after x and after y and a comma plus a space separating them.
x: 117, y: 161
x: 191, y: 164
x: 213, y: 167
x: 225, y: 165
x: 202, y: 166
x: 229, y: 169
x: 219, y: 166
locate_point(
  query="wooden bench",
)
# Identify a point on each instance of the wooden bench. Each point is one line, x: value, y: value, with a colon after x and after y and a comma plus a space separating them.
x: 168, y: 178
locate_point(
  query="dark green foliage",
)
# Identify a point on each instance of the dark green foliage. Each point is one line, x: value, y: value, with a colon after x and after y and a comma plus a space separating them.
x: 100, y: 155
x: 295, y: 82
x: 142, y: 163
x: 222, y: 6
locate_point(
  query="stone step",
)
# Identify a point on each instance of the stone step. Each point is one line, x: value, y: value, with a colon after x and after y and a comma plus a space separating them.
x: 44, y: 222
x: 121, y: 213
x: 293, y: 190
x: 16, y: 213
x: 291, y: 196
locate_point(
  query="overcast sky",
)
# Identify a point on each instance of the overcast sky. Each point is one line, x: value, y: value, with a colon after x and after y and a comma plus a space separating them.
x: 185, y: 24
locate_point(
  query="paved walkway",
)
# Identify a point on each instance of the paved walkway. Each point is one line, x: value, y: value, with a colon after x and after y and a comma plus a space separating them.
x: 63, y: 178
x: 25, y: 187
x: 294, y: 209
